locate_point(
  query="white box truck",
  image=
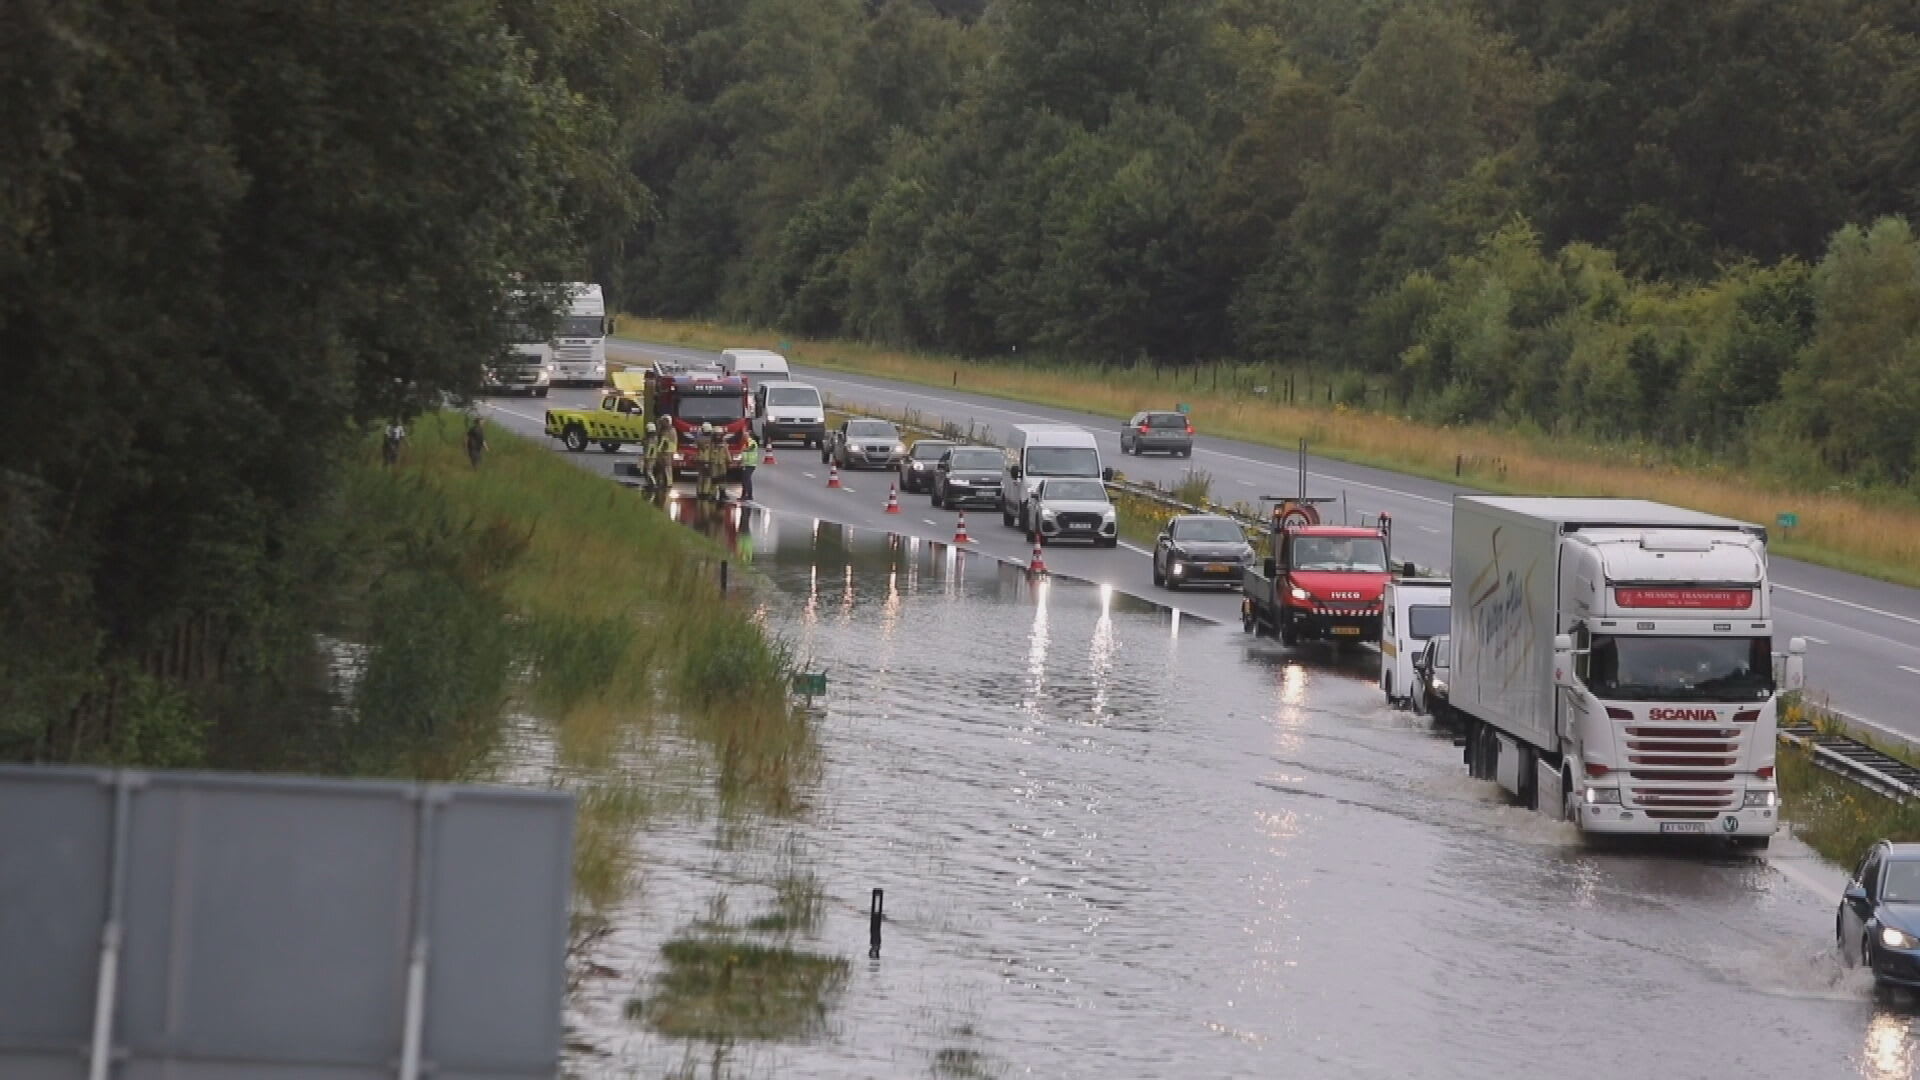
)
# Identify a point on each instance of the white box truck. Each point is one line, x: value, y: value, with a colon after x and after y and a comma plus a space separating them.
x: 1412, y: 610
x: 1037, y: 452
x: 1613, y: 663
x: 580, y: 339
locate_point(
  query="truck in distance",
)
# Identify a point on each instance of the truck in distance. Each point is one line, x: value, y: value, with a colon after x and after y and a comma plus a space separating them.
x: 1613, y: 663
x: 580, y: 338
x: 1320, y: 582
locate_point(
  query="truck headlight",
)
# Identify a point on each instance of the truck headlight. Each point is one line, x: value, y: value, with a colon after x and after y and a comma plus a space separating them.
x: 1603, y: 796
x: 1301, y: 594
x: 1766, y: 799
x: 1894, y: 938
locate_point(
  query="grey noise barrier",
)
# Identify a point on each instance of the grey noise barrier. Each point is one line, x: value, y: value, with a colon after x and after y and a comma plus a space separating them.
x: 207, y: 926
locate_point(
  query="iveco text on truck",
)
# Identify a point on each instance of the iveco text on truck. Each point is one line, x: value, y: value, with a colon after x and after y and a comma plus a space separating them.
x: 1613, y: 663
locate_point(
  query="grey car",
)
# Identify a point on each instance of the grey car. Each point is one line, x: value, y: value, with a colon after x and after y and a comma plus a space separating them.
x: 916, y: 468
x: 1197, y: 549
x: 1430, y: 671
x: 1159, y: 433
x: 1072, y: 508
x: 863, y: 443
x: 968, y: 476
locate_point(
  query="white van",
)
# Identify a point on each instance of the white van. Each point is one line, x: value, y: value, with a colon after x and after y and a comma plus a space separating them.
x: 1412, y: 610
x: 1036, y: 452
x: 791, y: 411
x: 755, y: 365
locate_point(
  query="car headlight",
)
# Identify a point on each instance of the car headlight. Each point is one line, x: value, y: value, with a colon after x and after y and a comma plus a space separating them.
x: 899, y: 448
x: 1894, y: 938
x: 1598, y: 796
x: 1762, y: 798
x: 1179, y: 569
x: 919, y: 466
x: 1046, y: 513
x: 1301, y: 594
x: 1439, y: 685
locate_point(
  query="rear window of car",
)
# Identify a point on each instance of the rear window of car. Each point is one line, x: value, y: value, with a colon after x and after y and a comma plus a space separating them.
x: 1167, y: 419
x: 930, y: 451
x: 871, y: 429
x: 977, y: 459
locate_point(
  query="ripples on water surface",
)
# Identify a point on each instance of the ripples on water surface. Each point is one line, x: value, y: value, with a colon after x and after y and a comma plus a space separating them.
x: 1115, y: 843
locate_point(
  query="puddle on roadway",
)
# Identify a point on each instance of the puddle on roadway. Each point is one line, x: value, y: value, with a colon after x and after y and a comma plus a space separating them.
x: 1118, y: 845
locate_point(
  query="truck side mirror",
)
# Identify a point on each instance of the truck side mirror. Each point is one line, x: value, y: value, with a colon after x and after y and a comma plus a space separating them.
x: 1013, y: 471
x: 1107, y: 474
x: 1563, y: 660
x: 1267, y: 567
x: 1796, y: 665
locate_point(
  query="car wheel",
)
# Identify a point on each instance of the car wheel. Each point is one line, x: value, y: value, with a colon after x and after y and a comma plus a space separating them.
x: 1006, y: 515
x: 935, y: 496
x: 1159, y: 578
x: 610, y: 447
x: 1287, y: 636
x: 825, y: 458
x: 1111, y: 542
x: 574, y: 439
x: 542, y: 392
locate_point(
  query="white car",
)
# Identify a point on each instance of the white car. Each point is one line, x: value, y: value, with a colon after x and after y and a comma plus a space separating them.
x: 1072, y: 508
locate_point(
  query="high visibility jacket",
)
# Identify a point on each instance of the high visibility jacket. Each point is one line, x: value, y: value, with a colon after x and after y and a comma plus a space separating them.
x: 750, y: 457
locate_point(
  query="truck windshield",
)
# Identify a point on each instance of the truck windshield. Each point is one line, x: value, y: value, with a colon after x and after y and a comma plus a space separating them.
x: 1358, y: 554
x: 1063, y: 461
x: 1681, y: 668
x: 701, y: 410
x: 1428, y: 620
x: 793, y: 395
x: 583, y: 326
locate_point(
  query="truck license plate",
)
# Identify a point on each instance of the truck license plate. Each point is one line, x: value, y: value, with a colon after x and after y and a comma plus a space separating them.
x: 1683, y: 826
x: 1347, y: 631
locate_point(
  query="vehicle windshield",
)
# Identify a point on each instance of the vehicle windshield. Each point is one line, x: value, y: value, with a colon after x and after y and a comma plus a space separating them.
x: 1357, y: 554
x: 1681, y: 668
x: 1167, y: 420
x: 975, y: 459
x: 1428, y: 620
x: 700, y: 410
x: 583, y: 326
x: 514, y: 333
x: 930, y: 451
x: 1208, y: 531
x: 1063, y: 461
x: 1901, y: 885
x: 793, y: 395
x: 1442, y: 651
x: 872, y: 429
x: 1077, y: 491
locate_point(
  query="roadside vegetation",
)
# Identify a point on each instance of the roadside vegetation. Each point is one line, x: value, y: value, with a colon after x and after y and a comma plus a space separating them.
x: 1834, y: 816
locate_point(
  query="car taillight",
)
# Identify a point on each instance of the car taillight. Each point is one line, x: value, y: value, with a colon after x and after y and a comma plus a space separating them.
x: 1189, y: 429
x: 1144, y: 429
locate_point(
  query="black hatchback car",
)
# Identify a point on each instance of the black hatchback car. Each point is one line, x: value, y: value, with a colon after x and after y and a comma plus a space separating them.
x: 916, y: 468
x: 1878, y: 923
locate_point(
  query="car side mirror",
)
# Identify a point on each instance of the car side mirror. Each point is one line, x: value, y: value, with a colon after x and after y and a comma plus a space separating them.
x: 1267, y: 567
x: 1107, y: 475
x: 1856, y: 893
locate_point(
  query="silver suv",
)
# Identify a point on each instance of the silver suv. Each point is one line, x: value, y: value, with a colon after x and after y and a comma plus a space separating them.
x: 1072, y: 508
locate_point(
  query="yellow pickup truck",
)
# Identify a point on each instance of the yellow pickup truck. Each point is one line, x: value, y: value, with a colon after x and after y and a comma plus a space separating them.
x: 621, y: 417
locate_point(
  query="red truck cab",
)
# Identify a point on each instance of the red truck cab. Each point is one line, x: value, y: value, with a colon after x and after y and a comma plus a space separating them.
x: 1322, y: 582
x: 694, y: 397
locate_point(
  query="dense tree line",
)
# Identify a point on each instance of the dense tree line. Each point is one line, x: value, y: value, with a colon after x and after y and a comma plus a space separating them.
x: 233, y: 237
x: 1673, y: 222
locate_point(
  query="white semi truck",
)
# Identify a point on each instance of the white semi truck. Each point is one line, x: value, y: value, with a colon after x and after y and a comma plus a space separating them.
x: 580, y: 339
x: 1613, y: 663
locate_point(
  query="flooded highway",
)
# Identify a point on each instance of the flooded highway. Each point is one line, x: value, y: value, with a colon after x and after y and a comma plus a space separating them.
x: 1119, y: 843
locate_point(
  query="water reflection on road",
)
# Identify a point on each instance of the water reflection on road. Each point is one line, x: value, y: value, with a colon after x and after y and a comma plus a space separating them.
x: 1114, y: 845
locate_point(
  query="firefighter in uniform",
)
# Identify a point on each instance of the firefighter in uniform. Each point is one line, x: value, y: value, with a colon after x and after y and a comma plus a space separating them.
x: 717, y: 462
x: 659, y: 453
x: 703, y: 461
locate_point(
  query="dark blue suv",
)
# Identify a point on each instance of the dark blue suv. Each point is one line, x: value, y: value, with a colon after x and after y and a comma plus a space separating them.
x: 1878, y: 923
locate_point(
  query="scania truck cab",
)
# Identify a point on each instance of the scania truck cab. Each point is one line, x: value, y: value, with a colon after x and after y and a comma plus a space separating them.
x: 1613, y: 663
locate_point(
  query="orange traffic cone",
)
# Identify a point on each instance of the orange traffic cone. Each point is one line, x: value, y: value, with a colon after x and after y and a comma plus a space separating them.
x: 767, y: 457
x: 833, y: 475
x: 893, y: 498
x: 1039, y: 563
x: 960, y: 530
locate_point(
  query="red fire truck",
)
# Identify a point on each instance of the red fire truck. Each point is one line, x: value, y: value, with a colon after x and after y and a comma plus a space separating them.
x: 693, y: 397
x: 1321, y: 582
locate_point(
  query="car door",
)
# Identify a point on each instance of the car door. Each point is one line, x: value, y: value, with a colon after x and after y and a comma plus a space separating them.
x: 1160, y: 548
x: 1422, y: 671
x: 1854, y: 914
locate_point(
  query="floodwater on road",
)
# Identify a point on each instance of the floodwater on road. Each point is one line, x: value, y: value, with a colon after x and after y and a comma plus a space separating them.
x: 1114, y: 843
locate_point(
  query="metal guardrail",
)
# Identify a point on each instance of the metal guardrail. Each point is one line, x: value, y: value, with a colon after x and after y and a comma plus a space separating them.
x: 1856, y: 761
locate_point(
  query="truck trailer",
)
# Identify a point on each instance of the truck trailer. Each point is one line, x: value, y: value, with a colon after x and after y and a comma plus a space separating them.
x: 1613, y: 663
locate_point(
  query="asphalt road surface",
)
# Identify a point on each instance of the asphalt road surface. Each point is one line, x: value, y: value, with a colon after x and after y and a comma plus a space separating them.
x: 1864, y: 635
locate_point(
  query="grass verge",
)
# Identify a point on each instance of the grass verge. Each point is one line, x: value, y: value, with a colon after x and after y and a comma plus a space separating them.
x: 1834, y: 816
x: 1880, y: 538
x: 530, y: 584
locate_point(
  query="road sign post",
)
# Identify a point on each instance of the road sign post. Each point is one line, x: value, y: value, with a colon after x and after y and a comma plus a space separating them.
x: 1787, y: 520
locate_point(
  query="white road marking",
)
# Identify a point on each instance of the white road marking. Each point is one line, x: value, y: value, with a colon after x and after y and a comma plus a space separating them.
x: 1131, y: 547
x: 514, y: 412
x: 1910, y: 670
x: 1848, y: 603
x: 1248, y: 483
x: 1427, y: 529
x: 1816, y: 640
x: 810, y: 476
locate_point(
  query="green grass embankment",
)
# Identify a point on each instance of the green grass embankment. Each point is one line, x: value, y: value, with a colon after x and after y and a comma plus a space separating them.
x: 1834, y: 816
x: 1879, y: 537
x: 531, y: 586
